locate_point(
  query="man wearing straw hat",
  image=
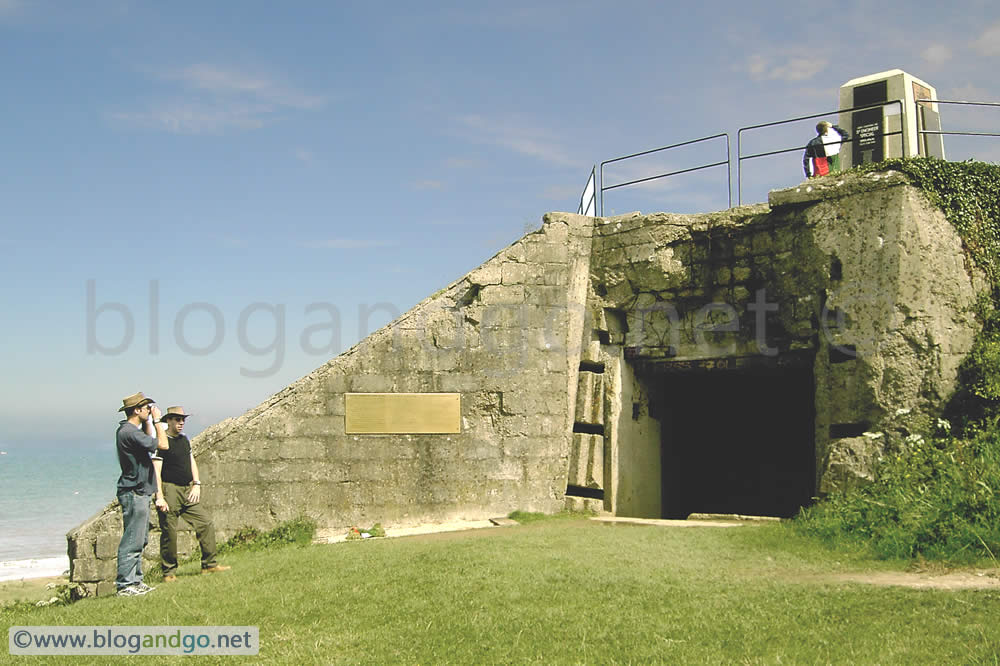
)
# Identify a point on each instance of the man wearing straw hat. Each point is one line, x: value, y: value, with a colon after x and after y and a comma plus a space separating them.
x: 136, y: 486
x: 179, y: 494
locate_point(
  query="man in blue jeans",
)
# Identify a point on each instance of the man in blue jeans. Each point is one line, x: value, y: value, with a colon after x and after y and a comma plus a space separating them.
x: 136, y: 486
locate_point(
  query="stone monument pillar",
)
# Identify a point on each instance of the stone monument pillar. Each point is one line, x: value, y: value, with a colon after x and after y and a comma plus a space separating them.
x: 868, y: 127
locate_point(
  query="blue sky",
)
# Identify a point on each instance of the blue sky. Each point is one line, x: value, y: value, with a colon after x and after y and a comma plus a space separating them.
x: 233, y: 178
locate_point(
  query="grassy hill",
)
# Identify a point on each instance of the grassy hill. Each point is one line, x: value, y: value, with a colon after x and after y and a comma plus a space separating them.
x: 563, y: 591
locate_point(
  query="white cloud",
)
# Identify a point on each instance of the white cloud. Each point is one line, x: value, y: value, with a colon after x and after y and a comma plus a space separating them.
x: 511, y: 135
x: 214, y: 99
x: 227, y: 82
x: 937, y: 54
x: 196, y: 118
x: 346, y: 243
x: 988, y: 43
x: 787, y: 68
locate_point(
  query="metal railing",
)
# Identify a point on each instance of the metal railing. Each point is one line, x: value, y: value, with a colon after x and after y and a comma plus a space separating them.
x: 739, y: 138
x: 588, y: 197
x: 921, y: 132
x: 726, y: 163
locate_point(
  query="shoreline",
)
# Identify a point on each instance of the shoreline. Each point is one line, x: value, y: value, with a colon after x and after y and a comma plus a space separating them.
x: 32, y: 568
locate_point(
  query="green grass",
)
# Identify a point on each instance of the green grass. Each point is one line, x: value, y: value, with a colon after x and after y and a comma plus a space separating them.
x: 562, y: 591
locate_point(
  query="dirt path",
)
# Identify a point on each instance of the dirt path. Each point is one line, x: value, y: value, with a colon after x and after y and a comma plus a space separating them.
x: 979, y: 579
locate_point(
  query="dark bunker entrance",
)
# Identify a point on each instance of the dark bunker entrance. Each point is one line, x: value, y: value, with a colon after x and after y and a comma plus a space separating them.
x: 736, y: 440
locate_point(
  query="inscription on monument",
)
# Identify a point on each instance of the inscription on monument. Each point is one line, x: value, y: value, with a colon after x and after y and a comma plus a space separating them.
x: 403, y: 413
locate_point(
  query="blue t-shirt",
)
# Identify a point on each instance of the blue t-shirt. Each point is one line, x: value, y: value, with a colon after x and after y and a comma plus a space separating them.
x: 135, y: 449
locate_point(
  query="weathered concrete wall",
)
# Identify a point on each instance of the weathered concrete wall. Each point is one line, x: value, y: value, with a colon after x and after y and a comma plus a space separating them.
x: 899, y: 303
x: 550, y: 343
x: 505, y: 337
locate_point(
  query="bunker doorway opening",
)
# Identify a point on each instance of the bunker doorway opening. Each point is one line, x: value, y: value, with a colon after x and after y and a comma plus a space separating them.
x: 737, y: 441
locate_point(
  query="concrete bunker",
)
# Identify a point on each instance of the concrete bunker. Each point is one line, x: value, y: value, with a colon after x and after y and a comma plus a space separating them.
x: 654, y: 365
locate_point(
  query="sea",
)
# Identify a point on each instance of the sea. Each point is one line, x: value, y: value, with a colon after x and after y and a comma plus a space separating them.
x: 47, y: 489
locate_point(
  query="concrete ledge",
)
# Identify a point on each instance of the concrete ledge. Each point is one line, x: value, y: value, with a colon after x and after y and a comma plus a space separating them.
x: 660, y: 522
x: 734, y: 516
x: 338, y: 535
x: 835, y: 186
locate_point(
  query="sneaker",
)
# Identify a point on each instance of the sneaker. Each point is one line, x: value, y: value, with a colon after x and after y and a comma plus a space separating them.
x: 131, y: 591
x: 143, y: 588
x: 216, y: 569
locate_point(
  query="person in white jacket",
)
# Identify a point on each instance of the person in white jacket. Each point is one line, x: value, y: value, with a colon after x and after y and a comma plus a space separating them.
x: 822, y: 154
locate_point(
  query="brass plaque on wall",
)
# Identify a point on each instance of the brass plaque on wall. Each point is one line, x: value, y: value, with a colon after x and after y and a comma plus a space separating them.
x: 402, y: 413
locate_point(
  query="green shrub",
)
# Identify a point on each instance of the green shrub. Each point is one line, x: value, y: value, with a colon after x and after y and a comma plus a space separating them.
x: 299, y: 531
x: 938, y: 499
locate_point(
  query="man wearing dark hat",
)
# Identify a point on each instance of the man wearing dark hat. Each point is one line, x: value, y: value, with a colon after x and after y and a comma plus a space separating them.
x: 179, y: 494
x: 136, y: 485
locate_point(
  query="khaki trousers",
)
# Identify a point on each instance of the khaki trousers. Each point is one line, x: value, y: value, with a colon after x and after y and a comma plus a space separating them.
x: 176, y: 497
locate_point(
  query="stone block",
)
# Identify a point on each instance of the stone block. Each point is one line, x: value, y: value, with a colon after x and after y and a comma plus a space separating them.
x: 107, y: 546
x: 546, y: 253
x: 515, y: 273
x: 555, y: 275
x: 105, y: 588
x: 502, y: 295
x: 584, y: 504
x: 81, y: 547
x: 335, y: 405
x: 545, y: 295
x: 851, y: 463
x: 317, y: 426
x: 591, y: 352
x: 371, y: 383
x: 489, y: 273
x: 586, y: 461
x: 84, y: 590
x: 556, y: 232
x: 301, y: 447
x: 303, y: 470
x: 236, y: 471
x: 336, y: 382
x: 92, y: 570
x: 590, y: 398
x: 460, y: 382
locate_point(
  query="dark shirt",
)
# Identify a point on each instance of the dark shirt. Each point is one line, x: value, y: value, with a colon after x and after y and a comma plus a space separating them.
x: 134, y: 450
x: 177, y: 461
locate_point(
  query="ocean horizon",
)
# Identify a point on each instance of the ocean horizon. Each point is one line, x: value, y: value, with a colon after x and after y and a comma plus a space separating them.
x: 49, y: 489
